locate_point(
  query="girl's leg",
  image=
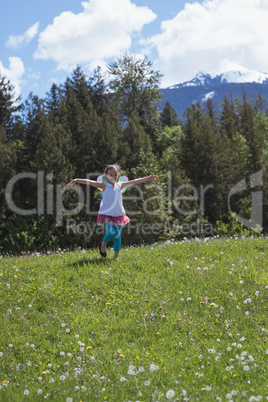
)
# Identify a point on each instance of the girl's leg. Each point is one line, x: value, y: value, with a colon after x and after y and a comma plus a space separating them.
x: 110, y: 234
x: 117, y: 241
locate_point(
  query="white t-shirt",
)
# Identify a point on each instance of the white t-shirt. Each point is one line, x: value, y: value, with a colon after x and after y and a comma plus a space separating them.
x: 112, y: 204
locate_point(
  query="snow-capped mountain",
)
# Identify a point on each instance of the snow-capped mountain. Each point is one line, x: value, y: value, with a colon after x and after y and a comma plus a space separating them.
x: 229, y: 78
x: 228, y: 72
x: 231, y: 72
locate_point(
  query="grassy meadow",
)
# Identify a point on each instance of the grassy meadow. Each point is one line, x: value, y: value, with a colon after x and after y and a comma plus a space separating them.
x: 179, y: 321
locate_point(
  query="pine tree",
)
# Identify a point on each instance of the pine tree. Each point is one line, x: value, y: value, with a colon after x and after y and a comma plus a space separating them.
x: 253, y: 134
x: 97, y: 89
x: 199, y: 154
x: 82, y: 122
x: 169, y: 116
x: 8, y: 105
x: 33, y: 114
x: 135, y: 140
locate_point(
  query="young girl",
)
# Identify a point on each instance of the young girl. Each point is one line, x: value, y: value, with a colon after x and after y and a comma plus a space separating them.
x: 112, y: 214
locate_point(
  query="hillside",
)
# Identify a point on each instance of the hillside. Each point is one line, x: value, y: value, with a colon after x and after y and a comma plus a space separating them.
x: 173, y: 321
x: 228, y: 79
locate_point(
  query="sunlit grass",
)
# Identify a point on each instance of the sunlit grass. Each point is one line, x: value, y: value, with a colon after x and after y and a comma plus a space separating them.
x: 172, y: 321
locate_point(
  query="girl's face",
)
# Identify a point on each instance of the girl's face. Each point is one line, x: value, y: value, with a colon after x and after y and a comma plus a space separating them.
x: 112, y: 175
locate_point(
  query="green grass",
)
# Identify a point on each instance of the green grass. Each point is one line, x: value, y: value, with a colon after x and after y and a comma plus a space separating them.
x: 189, y: 317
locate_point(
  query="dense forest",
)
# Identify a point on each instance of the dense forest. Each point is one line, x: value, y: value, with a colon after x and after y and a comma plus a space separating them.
x: 86, y: 123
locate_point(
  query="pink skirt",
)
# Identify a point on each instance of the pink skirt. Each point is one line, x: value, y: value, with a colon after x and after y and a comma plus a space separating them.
x: 112, y: 220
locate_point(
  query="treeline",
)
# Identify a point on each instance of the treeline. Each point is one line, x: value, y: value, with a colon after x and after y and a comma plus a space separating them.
x: 85, y: 124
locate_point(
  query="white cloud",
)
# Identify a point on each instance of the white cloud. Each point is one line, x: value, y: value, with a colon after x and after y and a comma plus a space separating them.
x: 23, y: 39
x: 14, y: 73
x: 202, y: 35
x: 101, y: 31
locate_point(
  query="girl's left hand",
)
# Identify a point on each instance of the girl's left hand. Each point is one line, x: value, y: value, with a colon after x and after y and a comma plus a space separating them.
x: 72, y: 182
x: 153, y: 177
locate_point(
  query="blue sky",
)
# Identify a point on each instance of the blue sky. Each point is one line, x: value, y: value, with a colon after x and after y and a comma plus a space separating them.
x: 41, y: 42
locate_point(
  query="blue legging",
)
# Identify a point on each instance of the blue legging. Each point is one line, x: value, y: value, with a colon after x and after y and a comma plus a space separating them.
x: 113, y: 232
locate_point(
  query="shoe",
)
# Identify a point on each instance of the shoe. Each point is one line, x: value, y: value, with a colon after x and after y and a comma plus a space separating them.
x: 101, y: 253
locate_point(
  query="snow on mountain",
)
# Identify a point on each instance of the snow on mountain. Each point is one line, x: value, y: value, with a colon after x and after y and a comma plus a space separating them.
x: 209, y: 95
x: 231, y: 72
x: 228, y: 72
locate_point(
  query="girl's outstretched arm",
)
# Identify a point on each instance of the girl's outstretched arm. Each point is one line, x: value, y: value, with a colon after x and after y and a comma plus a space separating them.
x: 92, y: 183
x: 153, y: 177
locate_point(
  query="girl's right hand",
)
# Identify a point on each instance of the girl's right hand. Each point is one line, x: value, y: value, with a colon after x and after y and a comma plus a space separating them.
x: 72, y: 182
x: 153, y: 177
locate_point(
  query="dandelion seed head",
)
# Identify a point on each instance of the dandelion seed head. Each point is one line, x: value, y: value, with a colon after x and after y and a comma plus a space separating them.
x: 170, y: 393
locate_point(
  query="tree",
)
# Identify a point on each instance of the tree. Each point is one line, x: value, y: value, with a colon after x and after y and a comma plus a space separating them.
x: 229, y: 123
x: 135, y: 140
x: 33, y: 114
x: 169, y: 140
x: 169, y: 116
x: 253, y: 133
x: 199, y: 153
x: 82, y: 122
x: 98, y: 93
x: 8, y: 105
x: 147, y: 203
x: 135, y: 87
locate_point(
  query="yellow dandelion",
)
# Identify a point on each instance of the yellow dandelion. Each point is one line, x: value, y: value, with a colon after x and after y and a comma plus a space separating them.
x: 235, y: 375
x: 122, y: 355
x: 132, y: 311
x: 43, y: 372
x: 157, y: 333
x: 202, y: 302
x: 137, y: 357
x: 211, y: 304
x: 108, y: 304
x: 147, y: 353
x: 5, y: 382
x: 89, y: 347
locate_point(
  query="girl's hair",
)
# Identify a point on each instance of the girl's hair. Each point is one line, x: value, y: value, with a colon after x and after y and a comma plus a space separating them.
x: 109, y: 167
